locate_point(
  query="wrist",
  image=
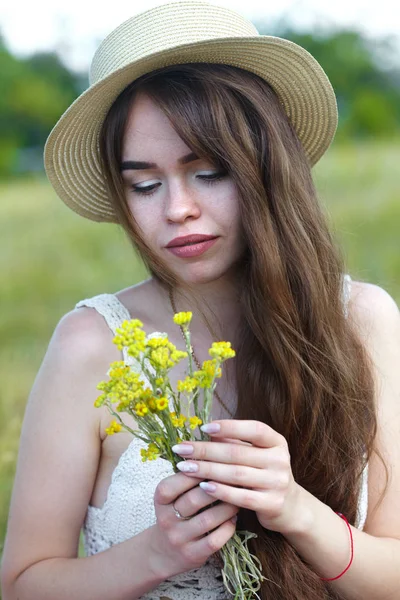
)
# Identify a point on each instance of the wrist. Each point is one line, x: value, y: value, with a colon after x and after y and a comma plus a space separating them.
x: 157, y: 564
x: 302, y: 517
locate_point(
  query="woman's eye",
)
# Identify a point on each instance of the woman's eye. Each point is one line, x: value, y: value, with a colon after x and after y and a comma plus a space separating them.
x: 145, y: 191
x: 212, y: 177
x: 150, y: 189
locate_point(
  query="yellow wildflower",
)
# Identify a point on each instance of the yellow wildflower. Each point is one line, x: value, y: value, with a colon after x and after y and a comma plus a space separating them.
x: 178, y: 355
x: 141, y: 409
x: 183, y: 319
x: 208, y: 372
x: 124, y: 386
x: 149, y: 453
x: 163, y: 354
x: 100, y: 400
x: 194, y: 422
x: 118, y: 369
x: 131, y: 336
x: 177, y: 421
x: 122, y: 406
x: 145, y: 394
x: 157, y: 342
x: 162, y: 403
x: 210, y: 368
x: 187, y: 385
x: 113, y: 428
x: 160, y: 358
x: 221, y: 350
x: 152, y: 404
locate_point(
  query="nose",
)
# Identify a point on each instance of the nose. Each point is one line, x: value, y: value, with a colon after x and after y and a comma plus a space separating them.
x: 181, y: 203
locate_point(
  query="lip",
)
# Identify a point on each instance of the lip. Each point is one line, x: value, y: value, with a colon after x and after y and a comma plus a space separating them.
x: 194, y: 238
x: 192, y: 250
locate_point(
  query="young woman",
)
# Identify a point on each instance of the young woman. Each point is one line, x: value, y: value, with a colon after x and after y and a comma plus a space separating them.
x: 197, y: 136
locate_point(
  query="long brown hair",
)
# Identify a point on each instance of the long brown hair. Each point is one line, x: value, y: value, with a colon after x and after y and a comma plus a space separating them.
x: 300, y: 366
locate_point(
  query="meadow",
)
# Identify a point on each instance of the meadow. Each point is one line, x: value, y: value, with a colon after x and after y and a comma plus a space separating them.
x: 51, y: 258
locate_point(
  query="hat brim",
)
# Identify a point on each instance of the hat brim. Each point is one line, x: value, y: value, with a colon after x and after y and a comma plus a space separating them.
x: 71, y: 154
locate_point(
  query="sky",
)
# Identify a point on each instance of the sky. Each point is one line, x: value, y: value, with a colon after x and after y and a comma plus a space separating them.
x: 76, y: 27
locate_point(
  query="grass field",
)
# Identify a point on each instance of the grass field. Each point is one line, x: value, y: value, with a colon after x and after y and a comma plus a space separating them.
x: 52, y: 258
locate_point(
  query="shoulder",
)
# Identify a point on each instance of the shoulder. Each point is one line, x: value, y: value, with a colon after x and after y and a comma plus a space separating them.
x: 84, y: 333
x: 81, y: 348
x: 376, y: 318
x: 373, y: 311
x: 82, y: 344
x: 79, y: 353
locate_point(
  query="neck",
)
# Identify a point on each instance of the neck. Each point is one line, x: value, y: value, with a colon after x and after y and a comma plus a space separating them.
x: 215, y: 307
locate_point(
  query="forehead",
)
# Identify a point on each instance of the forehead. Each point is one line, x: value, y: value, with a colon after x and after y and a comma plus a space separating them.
x: 146, y: 121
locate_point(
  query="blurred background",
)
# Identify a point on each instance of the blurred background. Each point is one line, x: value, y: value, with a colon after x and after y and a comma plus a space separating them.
x: 51, y: 258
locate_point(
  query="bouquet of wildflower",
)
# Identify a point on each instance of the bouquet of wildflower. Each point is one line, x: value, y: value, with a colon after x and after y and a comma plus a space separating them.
x: 160, y: 428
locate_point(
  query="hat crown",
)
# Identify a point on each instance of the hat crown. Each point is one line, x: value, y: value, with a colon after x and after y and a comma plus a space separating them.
x: 164, y: 27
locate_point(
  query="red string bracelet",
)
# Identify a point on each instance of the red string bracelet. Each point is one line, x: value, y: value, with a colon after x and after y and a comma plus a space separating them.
x: 351, y: 551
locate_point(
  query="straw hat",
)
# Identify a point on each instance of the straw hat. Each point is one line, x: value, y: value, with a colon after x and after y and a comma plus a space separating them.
x: 175, y: 33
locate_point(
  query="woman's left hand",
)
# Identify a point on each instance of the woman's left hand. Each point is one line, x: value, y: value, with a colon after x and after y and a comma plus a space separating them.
x: 249, y: 466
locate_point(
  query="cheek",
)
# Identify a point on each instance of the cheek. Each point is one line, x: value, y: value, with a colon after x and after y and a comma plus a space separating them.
x: 144, y: 217
x: 230, y: 216
x: 229, y: 209
x: 146, y: 223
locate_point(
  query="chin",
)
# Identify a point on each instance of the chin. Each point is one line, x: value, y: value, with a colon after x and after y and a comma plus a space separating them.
x: 204, y: 273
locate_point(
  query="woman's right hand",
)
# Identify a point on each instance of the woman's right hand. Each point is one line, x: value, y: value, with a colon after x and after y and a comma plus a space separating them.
x: 181, y: 545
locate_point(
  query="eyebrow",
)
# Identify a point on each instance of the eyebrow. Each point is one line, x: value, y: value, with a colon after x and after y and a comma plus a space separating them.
x: 140, y: 165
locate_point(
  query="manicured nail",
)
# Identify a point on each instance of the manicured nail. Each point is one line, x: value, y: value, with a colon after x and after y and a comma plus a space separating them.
x: 211, y: 427
x: 182, y: 449
x: 187, y: 467
x: 207, y: 487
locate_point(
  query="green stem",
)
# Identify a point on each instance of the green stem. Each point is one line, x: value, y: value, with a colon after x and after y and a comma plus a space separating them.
x: 241, y: 572
x: 186, y: 334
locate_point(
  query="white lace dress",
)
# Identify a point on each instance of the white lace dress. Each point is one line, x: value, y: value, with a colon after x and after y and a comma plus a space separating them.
x: 129, y: 508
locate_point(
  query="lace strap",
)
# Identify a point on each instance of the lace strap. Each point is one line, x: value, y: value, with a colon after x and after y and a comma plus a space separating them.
x: 113, y: 311
x: 346, y: 293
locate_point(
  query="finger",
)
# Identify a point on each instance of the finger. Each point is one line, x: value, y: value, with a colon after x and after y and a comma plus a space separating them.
x: 233, y: 441
x: 214, y: 541
x: 233, y: 474
x: 191, y: 502
x: 236, y: 454
x: 173, y: 486
x: 257, y: 433
x: 257, y: 500
x: 206, y: 521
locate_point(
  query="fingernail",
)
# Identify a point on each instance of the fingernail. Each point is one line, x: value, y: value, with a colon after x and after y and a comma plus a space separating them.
x: 207, y: 487
x: 234, y: 519
x: 182, y: 449
x: 211, y: 427
x: 187, y: 467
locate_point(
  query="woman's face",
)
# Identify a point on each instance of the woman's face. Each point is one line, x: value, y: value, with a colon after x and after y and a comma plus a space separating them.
x: 170, y: 197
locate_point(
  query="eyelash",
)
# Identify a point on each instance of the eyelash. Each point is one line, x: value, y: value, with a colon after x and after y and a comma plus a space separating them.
x: 151, y: 189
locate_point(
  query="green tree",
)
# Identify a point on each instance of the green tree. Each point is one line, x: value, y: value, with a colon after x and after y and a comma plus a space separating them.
x: 35, y: 92
x: 368, y: 95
